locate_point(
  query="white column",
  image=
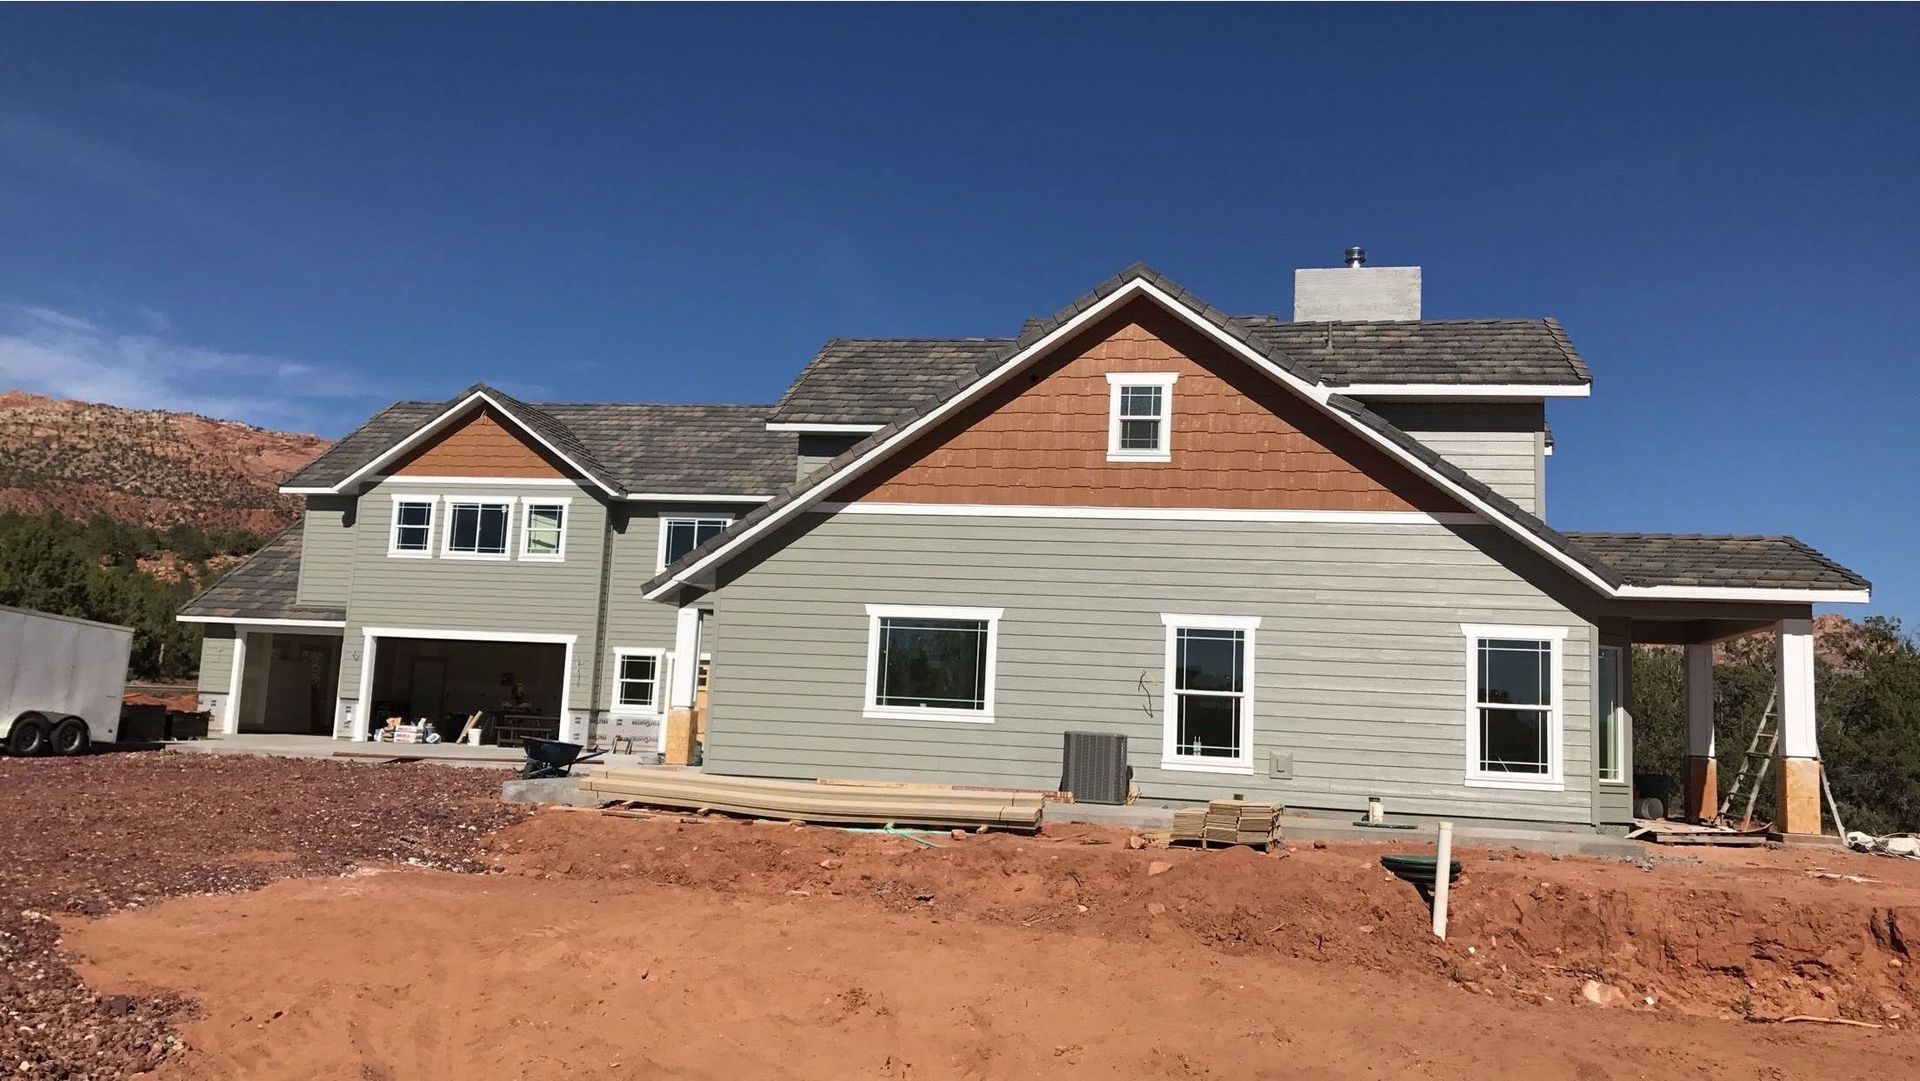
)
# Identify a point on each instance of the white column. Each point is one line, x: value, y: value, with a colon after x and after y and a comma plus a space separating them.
x: 1699, y: 681
x: 1795, y: 657
x: 231, y: 722
x: 686, y: 658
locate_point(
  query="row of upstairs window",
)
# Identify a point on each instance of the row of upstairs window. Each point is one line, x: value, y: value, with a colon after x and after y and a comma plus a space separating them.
x: 482, y: 527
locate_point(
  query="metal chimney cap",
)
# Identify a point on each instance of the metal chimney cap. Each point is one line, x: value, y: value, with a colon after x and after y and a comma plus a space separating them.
x: 1356, y: 257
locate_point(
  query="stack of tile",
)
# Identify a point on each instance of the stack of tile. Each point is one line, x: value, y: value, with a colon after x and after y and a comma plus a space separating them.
x: 1229, y: 822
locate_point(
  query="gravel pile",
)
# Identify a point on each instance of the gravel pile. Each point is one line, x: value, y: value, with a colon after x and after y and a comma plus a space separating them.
x: 93, y: 835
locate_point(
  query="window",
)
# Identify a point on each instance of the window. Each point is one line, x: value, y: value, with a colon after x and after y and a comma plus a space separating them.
x: 1609, y: 707
x: 1208, y: 710
x: 412, y: 533
x: 680, y: 535
x: 477, y: 527
x: 1513, y: 722
x: 1140, y: 411
x: 637, y: 680
x: 931, y: 662
x: 544, y: 536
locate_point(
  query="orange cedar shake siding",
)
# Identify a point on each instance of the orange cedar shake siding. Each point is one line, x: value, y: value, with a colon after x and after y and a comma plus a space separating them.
x: 1240, y: 441
x: 483, y: 445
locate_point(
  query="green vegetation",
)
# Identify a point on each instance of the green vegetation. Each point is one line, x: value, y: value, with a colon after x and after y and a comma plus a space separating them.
x: 90, y: 569
x: 1868, y: 708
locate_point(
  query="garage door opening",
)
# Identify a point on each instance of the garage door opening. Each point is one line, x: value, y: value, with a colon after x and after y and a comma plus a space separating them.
x: 518, y: 688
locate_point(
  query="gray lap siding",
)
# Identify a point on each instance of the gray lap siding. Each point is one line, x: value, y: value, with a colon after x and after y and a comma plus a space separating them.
x: 1360, y: 661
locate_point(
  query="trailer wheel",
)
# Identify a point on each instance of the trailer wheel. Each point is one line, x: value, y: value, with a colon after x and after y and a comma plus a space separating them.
x: 70, y: 737
x: 29, y: 736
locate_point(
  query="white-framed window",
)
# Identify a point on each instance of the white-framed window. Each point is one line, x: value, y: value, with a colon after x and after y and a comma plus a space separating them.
x: 931, y: 663
x: 1208, y: 709
x: 411, y: 535
x: 1610, y: 721
x: 477, y: 526
x: 1140, y: 416
x: 1515, y: 687
x: 639, y: 681
x: 682, y: 533
x: 543, y: 533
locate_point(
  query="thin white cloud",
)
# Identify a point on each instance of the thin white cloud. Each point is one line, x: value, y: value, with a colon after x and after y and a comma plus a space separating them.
x: 67, y: 356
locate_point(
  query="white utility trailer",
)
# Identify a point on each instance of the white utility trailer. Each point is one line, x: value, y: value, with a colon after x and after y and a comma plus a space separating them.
x: 60, y: 682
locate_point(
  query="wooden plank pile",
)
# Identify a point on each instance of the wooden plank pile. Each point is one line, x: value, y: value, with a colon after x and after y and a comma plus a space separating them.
x: 804, y: 801
x: 1228, y: 822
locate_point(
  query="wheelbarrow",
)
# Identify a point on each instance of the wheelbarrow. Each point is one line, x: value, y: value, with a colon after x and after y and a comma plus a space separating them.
x: 552, y: 758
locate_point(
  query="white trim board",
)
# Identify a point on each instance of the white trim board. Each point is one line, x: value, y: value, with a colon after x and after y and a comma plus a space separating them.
x: 241, y: 621
x: 687, y: 497
x: 827, y: 429
x: 1150, y: 514
x: 1736, y: 593
x: 1467, y: 391
x: 502, y: 482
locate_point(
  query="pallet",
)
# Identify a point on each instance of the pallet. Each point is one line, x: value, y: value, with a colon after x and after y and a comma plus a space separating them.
x: 804, y: 801
x: 1688, y: 833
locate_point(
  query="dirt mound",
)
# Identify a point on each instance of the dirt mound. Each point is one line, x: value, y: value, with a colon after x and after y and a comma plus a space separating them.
x: 109, y: 832
x: 1753, y: 941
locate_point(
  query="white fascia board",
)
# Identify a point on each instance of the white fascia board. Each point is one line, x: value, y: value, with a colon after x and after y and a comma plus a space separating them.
x: 289, y: 490
x: 1467, y: 392
x: 1740, y: 593
x: 686, y: 497
x: 242, y: 621
x: 436, y: 424
x: 827, y: 429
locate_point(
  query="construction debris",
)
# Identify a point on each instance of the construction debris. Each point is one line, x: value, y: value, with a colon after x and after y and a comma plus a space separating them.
x: 1228, y: 822
x: 1904, y: 845
x: 808, y: 802
x: 1663, y: 832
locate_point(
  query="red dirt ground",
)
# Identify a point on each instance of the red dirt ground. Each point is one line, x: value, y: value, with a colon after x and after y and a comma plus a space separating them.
x: 717, y: 949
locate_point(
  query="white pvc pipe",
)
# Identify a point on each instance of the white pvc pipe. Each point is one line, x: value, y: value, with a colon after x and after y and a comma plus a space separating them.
x: 1443, y: 860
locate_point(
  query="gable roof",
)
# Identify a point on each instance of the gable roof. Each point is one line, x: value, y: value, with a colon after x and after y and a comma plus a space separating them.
x: 263, y: 587
x: 1040, y: 336
x: 632, y: 449
x: 871, y: 381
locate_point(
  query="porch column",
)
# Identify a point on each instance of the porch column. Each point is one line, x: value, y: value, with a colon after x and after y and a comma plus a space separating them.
x: 235, y: 683
x: 1797, y: 797
x: 686, y: 674
x: 1703, y: 787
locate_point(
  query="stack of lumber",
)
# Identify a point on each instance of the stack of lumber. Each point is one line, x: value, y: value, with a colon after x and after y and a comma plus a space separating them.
x: 1228, y: 822
x: 804, y: 801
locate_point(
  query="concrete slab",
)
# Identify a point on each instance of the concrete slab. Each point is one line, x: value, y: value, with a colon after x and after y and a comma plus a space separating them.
x: 564, y: 791
x: 443, y: 754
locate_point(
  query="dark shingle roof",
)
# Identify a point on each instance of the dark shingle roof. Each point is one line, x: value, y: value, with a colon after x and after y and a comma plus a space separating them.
x: 635, y: 447
x: 262, y: 586
x: 1468, y: 352
x: 876, y: 380
x: 872, y: 380
x: 1683, y: 559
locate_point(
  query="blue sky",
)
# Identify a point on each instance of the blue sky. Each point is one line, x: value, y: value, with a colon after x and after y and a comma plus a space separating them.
x: 294, y: 215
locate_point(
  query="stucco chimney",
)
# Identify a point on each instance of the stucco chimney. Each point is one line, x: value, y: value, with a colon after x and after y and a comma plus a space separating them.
x: 1356, y: 291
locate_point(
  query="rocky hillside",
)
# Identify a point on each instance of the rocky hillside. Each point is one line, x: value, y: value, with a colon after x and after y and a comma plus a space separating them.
x: 145, y: 466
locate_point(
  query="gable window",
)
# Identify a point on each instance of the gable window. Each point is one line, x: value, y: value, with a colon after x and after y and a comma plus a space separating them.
x: 412, y: 532
x: 637, y: 680
x: 544, y: 536
x: 477, y: 527
x: 680, y: 534
x: 935, y: 663
x: 1208, y: 711
x: 1140, y: 416
x: 1514, y: 684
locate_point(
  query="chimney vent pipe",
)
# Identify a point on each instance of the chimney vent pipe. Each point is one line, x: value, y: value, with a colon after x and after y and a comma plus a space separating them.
x: 1356, y: 257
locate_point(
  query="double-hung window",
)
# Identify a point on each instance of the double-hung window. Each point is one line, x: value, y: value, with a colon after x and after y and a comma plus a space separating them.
x: 412, y: 532
x: 477, y: 527
x: 1515, y: 687
x: 638, y: 677
x: 543, y: 537
x: 682, y: 533
x: 1208, y: 713
x: 1140, y: 416
x: 1610, y: 707
x: 931, y: 663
